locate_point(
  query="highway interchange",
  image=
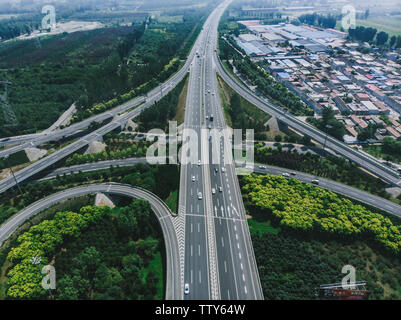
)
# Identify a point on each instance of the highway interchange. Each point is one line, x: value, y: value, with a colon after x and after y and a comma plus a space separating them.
x: 219, y: 261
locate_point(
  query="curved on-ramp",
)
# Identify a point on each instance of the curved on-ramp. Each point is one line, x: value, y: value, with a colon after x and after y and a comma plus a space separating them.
x: 160, y: 209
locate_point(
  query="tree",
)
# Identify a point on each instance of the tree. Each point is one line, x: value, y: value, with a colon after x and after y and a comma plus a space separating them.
x: 393, y: 40
x: 381, y: 38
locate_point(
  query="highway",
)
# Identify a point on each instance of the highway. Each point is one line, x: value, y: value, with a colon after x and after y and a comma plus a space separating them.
x: 162, y: 212
x: 219, y: 257
x: 367, y: 162
x: 337, y: 187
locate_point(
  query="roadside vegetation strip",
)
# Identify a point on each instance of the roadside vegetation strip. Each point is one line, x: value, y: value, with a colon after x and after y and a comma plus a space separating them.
x: 302, y: 207
x: 156, y: 179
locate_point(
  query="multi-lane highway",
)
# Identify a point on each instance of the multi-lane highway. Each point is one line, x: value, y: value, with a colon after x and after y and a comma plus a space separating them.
x: 162, y: 212
x: 366, y: 161
x: 219, y: 258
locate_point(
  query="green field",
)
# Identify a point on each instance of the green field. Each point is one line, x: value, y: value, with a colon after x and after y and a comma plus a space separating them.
x: 390, y: 25
x: 172, y: 201
x: 170, y: 19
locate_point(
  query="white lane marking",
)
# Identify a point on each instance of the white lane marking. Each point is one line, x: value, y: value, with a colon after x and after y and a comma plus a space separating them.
x: 243, y: 277
x: 246, y: 291
x: 200, y: 277
x: 239, y: 254
x: 199, y: 250
x: 222, y: 241
x: 198, y: 227
x: 225, y: 266
x: 192, y: 253
x: 242, y: 267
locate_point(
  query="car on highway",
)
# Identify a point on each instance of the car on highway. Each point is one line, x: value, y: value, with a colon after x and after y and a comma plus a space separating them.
x: 193, y: 178
x: 285, y: 175
x: 223, y: 169
x: 213, y: 191
x: 200, y: 197
x: 186, y: 289
x: 315, y: 181
x: 199, y: 163
x: 262, y: 167
x: 293, y: 173
x: 216, y: 170
x: 220, y: 189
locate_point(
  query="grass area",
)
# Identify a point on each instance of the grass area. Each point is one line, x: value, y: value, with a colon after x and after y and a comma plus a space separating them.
x: 156, y: 265
x: 172, y: 201
x: 390, y: 25
x: 182, y: 100
x: 253, y: 115
x: 262, y: 227
x: 170, y: 19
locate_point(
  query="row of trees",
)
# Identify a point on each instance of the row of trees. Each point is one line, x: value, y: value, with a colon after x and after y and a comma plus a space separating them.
x: 114, y: 150
x: 271, y: 88
x: 368, y: 34
x: 298, y: 206
x: 320, y: 20
x: 161, y: 180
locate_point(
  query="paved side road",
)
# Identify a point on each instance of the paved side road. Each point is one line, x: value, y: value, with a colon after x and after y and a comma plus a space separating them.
x: 162, y: 212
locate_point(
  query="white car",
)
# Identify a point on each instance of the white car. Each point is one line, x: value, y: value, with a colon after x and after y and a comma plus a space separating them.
x: 186, y: 288
x: 213, y: 191
x: 193, y: 178
x: 223, y: 169
x: 286, y: 175
x: 220, y: 189
x: 316, y: 182
x: 199, y: 163
x: 262, y: 167
x: 200, y: 197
